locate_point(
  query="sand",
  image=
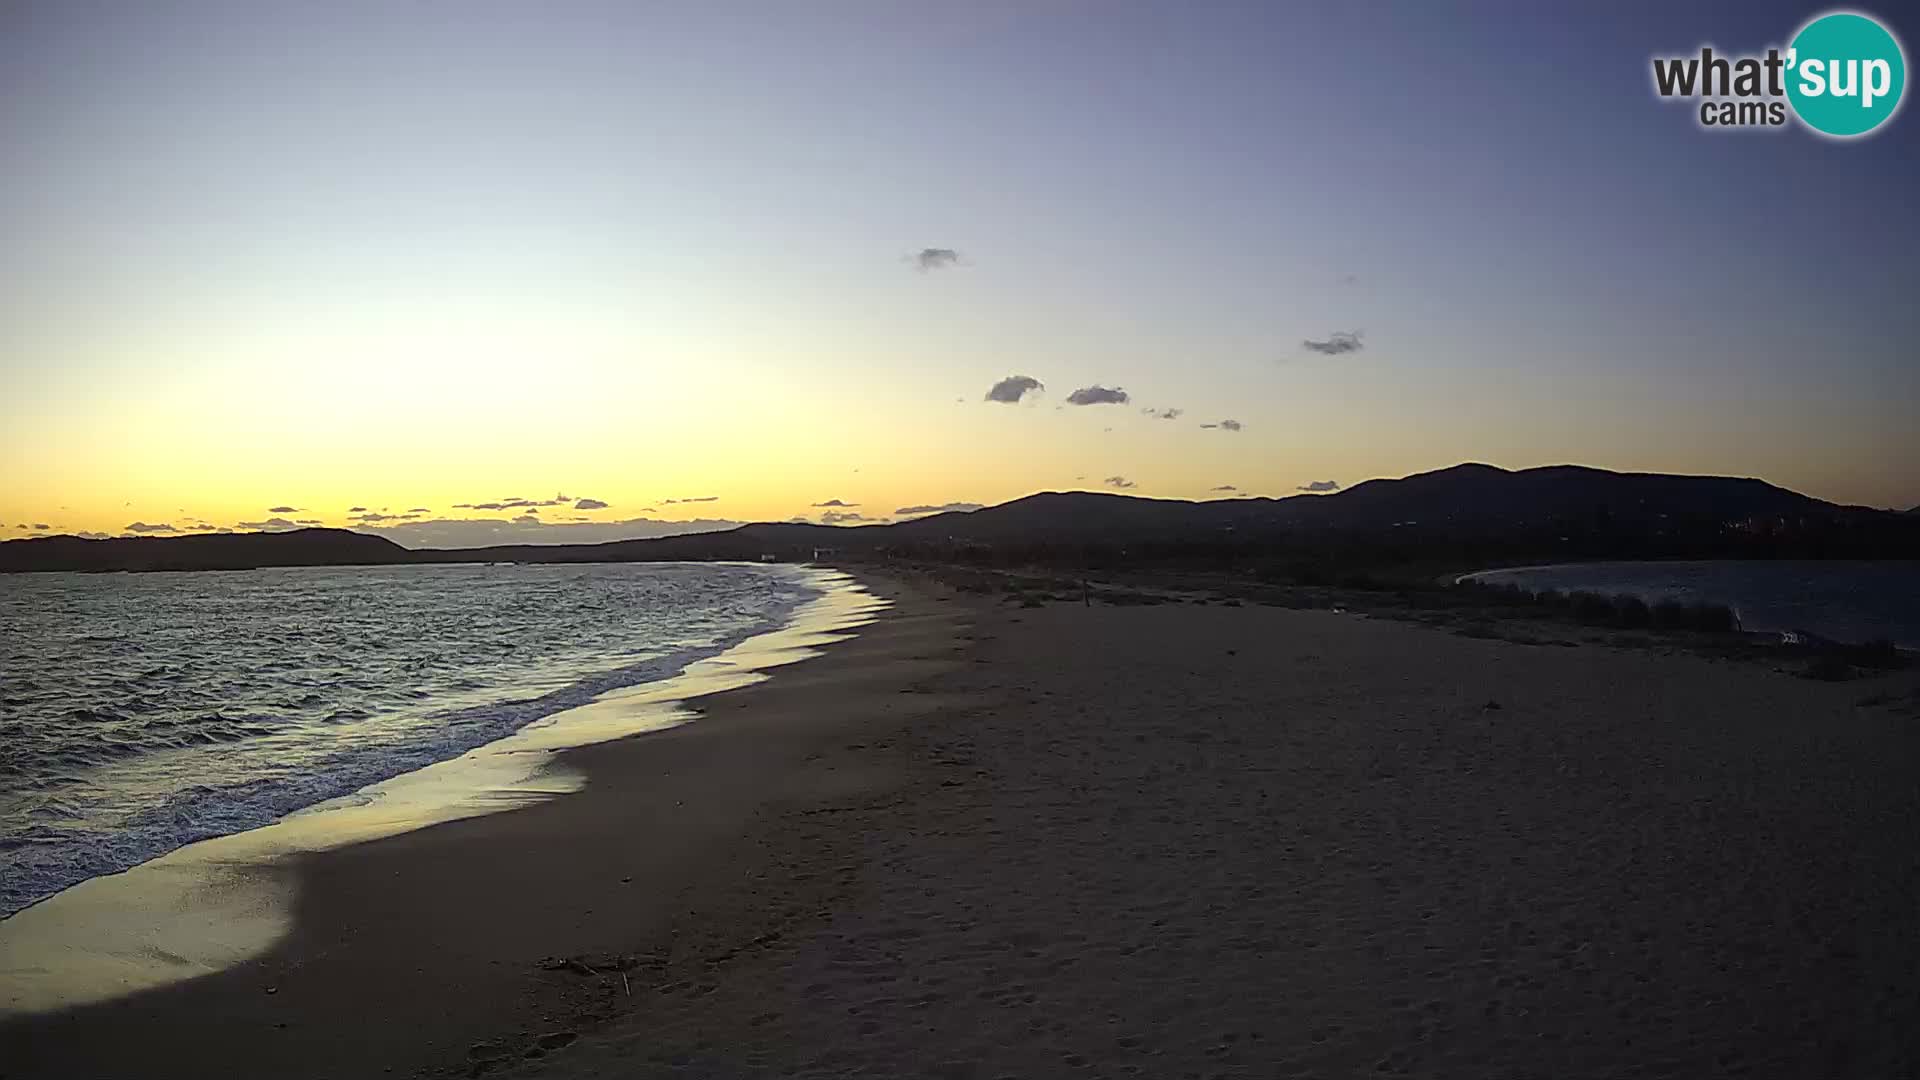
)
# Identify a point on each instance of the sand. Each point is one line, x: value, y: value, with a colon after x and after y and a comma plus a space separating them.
x: 1180, y: 840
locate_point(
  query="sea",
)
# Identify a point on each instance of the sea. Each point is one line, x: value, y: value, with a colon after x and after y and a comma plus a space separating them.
x: 1839, y: 600
x: 143, y: 712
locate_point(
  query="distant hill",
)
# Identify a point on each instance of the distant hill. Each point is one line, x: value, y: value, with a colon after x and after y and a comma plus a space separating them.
x: 215, y: 551
x: 1558, y: 509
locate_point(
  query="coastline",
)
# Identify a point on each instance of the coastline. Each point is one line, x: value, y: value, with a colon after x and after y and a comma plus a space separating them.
x: 276, y: 918
x: 986, y: 838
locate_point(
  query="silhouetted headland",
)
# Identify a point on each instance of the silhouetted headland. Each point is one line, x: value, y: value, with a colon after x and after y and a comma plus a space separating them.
x: 1469, y: 514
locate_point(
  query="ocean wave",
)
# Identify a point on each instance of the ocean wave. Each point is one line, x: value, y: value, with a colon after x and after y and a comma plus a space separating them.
x: 408, y: 669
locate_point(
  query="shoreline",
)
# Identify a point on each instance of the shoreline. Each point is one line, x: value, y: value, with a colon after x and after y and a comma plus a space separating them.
x: 239, y: 912
x: 988, y: 837
x: 679, y: 672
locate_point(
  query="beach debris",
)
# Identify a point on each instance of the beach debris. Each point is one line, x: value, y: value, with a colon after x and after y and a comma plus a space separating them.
x: 567, y: 963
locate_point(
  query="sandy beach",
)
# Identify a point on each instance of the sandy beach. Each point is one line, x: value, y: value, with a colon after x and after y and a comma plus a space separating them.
x: 1177, y: 840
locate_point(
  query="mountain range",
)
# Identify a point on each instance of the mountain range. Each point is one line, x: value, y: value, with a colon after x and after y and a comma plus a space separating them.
x: 1552, y: 510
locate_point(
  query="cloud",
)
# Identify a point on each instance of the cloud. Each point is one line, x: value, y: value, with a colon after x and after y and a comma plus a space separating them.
x: 285, y: 509
x: 93, y: 536
x: 143, y: 527
x: 1098, y: 395
x: 307, y: 521
x: 484, y: 532
x: 1012, y: 388
x: 270, y: 525
x: 418, y: 510
x: 1163, y: 414
x: 943, y: 508
x: 834, y: 502
x: 203, y: 527
x: 1118, y: 482
x: 511, y: 502
x: 699, y: 498
x: 846, y: 517
x: 373, y: 516
x: 356, y: 509
x: 935, y: 259
x: 1338, y: 342
x: 38, y: 527
x: 527, y: 519
x: 589, y: 504
x: 1226, y: 487
x: 1321, y: 485
x: 1224, y: 425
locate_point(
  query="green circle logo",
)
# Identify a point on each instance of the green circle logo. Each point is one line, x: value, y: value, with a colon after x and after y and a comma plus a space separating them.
x: 1846, y: 74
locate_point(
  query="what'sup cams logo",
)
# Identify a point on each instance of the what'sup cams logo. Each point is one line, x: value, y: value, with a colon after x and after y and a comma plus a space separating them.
x: 1843, y: 75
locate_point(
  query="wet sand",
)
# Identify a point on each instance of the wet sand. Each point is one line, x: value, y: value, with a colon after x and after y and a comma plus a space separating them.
x: 1178, y: 840
x: 406, y: 952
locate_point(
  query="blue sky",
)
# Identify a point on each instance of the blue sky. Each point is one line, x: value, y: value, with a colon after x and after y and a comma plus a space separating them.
x: 423, y: 253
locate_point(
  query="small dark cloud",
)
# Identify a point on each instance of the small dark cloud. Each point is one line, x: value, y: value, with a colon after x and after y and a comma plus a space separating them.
x: 935, y: 259
x: 513, y: 502
x: 1163, y: 414
x: 143, y: 527
x: 372, y: 516
x: 696, y: 499
x: 589, y: 504
x: 1321, y: 485
x: 356, y: 509
x: 1012, y: 388
x: 479, y: 532
x: 834, y: 502
x: 1118, y: 482
x: 418, y: 510
x: 1226, y: 487
x: 285, y: 509
x: 1225, y: 425
x: 846, y: 517
x: 1337, y: 343
x: 1098, y: 395
x: 528, y: 518
x: 269, y: 525
x: 943, y: 508
x: 38, y: 527
x: 203, y: 527
x: 306, y: 521
x: 93, y: 536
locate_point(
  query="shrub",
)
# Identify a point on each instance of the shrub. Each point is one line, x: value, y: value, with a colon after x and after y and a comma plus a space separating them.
x: 1878, y: 653
x: 1670, y: 614
x: 1631, y: 611
x: 1591, y: 607
x: 1717, y: 618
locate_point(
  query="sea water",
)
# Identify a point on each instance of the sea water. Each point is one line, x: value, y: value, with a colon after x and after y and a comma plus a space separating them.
x: 143, y: 712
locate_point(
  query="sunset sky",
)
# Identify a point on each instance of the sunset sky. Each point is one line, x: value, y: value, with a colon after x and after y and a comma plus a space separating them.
x: 273, y: 260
